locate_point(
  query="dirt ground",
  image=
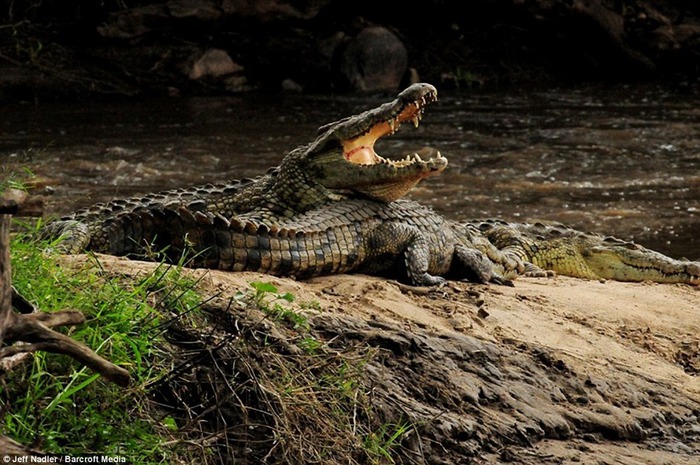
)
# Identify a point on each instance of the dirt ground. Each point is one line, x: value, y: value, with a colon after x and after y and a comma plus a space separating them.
x: 553, y: 370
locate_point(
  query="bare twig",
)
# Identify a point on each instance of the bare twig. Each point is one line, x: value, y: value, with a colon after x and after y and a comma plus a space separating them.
x: 33, y: 326
x: 29, y: 329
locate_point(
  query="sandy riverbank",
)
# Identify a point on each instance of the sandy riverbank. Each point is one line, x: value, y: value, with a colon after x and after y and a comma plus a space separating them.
x: 553, y: 370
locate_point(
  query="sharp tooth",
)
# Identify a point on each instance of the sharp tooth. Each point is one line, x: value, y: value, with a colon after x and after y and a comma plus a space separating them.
x: 417, y: 157
x: 439, y: 156
x: 416, y: 121
x: 392, y: 125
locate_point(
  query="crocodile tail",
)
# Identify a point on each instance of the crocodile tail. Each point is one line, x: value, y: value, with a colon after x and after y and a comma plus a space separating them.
x: 71, y: 236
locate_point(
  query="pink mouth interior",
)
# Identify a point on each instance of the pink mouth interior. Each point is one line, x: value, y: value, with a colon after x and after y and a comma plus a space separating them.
x: 362, y: 155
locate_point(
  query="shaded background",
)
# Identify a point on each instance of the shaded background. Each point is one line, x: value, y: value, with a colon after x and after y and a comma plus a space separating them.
x: 52, y: 48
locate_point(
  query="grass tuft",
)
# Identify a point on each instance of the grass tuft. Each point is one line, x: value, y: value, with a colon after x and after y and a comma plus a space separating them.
x: 61, y: 407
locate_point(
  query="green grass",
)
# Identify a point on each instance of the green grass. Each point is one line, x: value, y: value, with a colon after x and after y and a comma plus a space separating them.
x: 257, y: 365
x: 14, y: 180
x: 379, y: 444
x: 61, y: 407
x: 268, y: 299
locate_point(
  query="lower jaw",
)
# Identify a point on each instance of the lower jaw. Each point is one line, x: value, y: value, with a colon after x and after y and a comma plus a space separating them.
x: 391, y: 192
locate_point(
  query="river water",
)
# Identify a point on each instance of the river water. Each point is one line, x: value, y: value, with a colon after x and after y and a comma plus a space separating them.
x: 621, y: 161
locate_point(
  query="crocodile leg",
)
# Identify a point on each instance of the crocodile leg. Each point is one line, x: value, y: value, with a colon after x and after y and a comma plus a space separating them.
x: 395, y: 243
x: 476, y: 266
x: 441, y: 254
x: 506, y: 265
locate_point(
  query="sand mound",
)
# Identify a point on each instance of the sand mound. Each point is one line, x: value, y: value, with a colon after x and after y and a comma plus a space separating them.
x: 553, y: 370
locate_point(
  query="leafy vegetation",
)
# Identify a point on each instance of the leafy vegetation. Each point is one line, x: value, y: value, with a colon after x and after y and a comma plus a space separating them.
x: 58, y: 406
x: 232, y: 377
x: 380, y: 443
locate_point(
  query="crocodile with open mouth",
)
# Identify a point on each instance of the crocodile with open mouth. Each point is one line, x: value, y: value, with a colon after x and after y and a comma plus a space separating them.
x: 335, y: 206
x: 340, y: 163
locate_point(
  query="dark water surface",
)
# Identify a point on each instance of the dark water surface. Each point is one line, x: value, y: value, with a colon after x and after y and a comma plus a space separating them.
x: 623, y: 161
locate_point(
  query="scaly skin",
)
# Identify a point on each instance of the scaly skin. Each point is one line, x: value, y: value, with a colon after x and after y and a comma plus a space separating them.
x: 402, y: 239
x: 574, y: 253
x: 83, y: 229
x: 340, y: 163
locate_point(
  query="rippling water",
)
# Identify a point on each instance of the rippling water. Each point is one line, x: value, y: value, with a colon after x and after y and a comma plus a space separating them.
x: 622, y: 161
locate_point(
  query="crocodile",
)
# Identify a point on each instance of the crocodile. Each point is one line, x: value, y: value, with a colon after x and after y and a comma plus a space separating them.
x: 401, y: 239
x: 335, y: 206
x: 570, y: 252
x: 340, y: 163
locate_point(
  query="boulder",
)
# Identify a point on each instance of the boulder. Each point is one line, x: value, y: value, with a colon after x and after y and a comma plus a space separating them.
x: 375, y: 59
x: 214, y: 62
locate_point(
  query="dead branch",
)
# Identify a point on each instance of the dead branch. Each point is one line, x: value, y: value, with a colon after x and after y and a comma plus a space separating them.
x: 11, y: 448
x: 30, y: 325
x: 29, y: 328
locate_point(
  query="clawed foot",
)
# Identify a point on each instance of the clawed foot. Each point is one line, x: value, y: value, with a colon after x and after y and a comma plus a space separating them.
x: 427, y: 280
x: 534, y: 271
x: 495, y: 279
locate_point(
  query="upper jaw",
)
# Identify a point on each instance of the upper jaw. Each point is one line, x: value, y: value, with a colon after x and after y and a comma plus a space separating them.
x: 416, y: 96
x: 386, y: 120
